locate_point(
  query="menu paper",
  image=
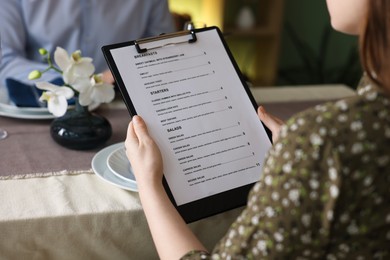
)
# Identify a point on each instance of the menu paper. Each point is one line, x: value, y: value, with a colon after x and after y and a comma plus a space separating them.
x: 198, y: 112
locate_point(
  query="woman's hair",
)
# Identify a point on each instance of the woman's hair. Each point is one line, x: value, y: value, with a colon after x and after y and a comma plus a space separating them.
x: 375, y: 43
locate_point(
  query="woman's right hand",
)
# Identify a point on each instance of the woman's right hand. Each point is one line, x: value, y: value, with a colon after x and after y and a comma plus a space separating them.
x: 273, y: 123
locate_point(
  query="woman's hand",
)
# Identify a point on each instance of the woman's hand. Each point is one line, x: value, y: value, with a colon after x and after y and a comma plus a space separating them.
x: 273, y: 123
x: 172, y: 237
x: 143, y: 154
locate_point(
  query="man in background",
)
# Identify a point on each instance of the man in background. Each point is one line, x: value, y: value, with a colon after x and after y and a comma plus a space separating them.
x: 86, y: 25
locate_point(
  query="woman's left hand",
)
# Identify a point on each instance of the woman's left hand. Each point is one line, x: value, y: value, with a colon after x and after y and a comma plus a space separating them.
x: 143, y: 154
x: 172, y: 237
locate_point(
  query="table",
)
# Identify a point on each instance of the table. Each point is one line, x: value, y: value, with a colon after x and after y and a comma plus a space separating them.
x: 54, y: 207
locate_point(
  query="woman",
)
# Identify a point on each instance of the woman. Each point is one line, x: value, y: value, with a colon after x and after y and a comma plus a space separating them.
x: 324, y: 189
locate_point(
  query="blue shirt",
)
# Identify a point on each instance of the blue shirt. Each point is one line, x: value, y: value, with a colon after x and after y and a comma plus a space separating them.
x: 86, y: 25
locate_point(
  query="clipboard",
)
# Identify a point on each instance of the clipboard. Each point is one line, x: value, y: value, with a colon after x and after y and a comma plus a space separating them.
x: 201, y: 113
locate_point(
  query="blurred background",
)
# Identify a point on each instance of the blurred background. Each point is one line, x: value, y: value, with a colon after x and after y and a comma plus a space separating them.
x: 278, y: 42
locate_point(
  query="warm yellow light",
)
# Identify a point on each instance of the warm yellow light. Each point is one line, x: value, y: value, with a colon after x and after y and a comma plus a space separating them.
x: 202, y: 11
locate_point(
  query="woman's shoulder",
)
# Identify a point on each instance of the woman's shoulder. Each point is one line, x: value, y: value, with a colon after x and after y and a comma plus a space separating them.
x: 351, y: 126
x: 367, y: 108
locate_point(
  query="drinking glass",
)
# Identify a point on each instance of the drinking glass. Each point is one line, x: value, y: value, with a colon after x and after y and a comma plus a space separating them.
x: 3, y: 133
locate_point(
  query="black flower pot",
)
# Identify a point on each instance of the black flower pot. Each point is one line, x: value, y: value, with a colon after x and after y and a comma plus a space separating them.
x: 79, y: 129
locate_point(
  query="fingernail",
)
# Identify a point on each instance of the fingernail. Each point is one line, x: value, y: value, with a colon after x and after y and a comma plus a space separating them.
x: 136, y: 119
x: 262, y: 109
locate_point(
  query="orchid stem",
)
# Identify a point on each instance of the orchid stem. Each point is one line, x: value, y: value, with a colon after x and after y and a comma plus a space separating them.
x: 51, y: 66
x: 74, y: 90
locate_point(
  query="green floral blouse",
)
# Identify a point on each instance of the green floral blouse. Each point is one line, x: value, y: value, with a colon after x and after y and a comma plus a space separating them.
x: 325, y: 188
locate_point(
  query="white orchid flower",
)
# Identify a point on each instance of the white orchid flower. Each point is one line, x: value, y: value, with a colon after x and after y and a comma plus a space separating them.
x: 73, y: 66
x: 99, y: 92
x: 82, y: 84
x: 102, y: 92
x: 56, y: 97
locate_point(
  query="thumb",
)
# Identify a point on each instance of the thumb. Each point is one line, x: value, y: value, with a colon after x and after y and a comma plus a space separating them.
x: 140, y: 128
x: 271, y: 122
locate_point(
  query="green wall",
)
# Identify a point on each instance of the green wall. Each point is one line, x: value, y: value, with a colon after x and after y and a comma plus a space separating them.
x: 311, y: 51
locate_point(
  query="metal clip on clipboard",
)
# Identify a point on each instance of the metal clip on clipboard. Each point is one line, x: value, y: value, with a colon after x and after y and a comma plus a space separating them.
x: 162, y: 37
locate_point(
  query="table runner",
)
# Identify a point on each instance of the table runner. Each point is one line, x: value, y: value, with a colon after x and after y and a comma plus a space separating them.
x: 29, y: 148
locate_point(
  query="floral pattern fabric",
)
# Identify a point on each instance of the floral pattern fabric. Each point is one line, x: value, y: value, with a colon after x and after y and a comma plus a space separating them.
x: 324, y: 192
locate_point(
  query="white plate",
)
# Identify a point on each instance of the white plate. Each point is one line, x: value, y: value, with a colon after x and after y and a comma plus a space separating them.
x: 119, y: 164
x: 37, y: 113
x: 26, y: 110
x: 9, y: 110
x: 26, y: 116
x: 99, y: 166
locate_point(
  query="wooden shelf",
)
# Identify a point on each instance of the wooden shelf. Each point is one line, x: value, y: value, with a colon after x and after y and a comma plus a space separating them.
x: 256, y: 49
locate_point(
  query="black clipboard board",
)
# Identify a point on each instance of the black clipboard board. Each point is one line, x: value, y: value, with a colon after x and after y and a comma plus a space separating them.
x: 215, y: 203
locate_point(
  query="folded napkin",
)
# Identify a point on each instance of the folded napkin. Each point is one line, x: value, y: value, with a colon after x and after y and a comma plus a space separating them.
x: 27, y: 95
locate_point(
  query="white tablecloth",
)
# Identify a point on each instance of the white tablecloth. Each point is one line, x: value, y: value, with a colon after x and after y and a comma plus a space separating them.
x: 80, y: 217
